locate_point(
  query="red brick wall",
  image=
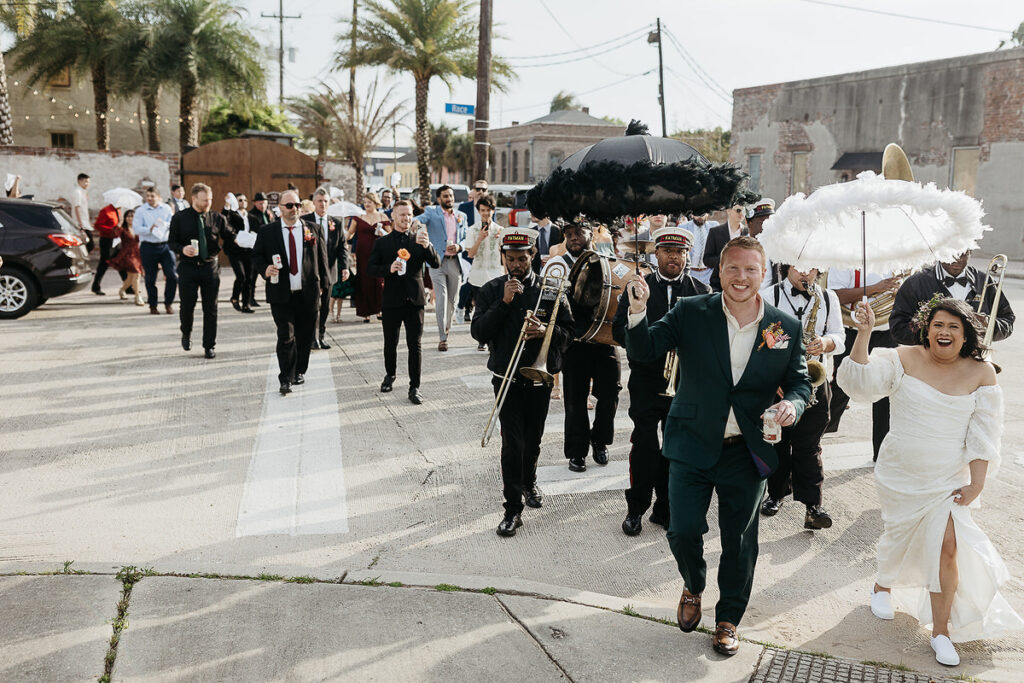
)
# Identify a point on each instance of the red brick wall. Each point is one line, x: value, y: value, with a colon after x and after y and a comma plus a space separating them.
x: 1004, y: 104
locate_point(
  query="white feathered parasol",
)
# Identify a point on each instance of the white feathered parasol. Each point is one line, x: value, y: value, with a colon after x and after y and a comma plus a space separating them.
x: 886, y: 223
x: 345, y: 209
x: 122, y: 198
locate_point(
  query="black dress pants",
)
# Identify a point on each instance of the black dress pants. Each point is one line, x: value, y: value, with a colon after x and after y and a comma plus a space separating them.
x: 522, y: 428
x: 880, y: 408
x: 242, y: 265
x: 323, y: 312
x: 800, y: 471
x: 648, y: 468
x: 295, y: 321
x: 581, y: 363
x: 392, y: 320
x: 193, y: 281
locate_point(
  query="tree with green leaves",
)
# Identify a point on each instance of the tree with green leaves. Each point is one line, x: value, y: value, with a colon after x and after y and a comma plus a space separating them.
x: 1016, y: 38
x: 358, y: 129
x: 209, y: 51
x: 138, y: 68
x: 313, y: 117
x: 225, y: 121
x: 427, y: 39
x: 458, y: 156
x: 76, y: 34
x: 439, y: 134
x: 713, y: 144
x: 564, y: 101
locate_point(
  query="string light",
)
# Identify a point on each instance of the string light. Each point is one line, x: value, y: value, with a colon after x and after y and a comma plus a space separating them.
x: 132, y: 116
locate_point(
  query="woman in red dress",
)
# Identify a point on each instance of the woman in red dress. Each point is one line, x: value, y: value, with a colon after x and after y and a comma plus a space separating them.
x: 128, y: 258
x: 366, y: 229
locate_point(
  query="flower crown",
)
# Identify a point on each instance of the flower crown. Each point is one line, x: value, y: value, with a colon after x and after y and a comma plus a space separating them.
x: 919, y: 321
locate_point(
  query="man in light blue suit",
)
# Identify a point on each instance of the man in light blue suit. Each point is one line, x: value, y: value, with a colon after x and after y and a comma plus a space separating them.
x: 446, y: 228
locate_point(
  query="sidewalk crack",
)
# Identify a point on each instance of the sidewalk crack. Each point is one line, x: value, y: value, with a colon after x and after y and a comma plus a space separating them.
x: 533, y: 637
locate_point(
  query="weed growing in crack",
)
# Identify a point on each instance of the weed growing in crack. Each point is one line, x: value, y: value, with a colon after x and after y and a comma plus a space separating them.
x: 447, y: 587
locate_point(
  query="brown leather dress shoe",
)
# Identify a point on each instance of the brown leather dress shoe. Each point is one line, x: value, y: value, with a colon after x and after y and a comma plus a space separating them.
x: 725, y: 642
x: 688, y: 612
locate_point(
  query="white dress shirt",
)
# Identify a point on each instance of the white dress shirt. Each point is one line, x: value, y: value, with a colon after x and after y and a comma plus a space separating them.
x: 846, y: 279
x: 80, y: 199
x: 957, y: 290
x: 295, y: 281
x: 741, y: 344
x: 828, y: 325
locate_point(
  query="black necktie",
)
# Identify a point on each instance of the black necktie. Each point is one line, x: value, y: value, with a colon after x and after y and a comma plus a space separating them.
x: 949, y: 281
x: 800, y: 292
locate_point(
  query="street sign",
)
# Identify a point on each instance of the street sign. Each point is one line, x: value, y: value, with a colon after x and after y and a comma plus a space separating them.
x: 464, y: 109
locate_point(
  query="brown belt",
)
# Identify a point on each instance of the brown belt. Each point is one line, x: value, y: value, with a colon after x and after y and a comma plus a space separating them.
x: 732, y: 440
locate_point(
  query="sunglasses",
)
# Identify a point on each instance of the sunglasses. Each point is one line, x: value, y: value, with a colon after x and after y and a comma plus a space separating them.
x: 738, y: 210
x: 292, y: 205
x: 480, y: 189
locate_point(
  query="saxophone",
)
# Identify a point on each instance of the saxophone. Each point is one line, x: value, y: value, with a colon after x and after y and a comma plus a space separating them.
x: 815, y: 368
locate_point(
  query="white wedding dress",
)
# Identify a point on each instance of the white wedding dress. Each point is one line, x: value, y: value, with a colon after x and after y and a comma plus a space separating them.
x: 932, y: 438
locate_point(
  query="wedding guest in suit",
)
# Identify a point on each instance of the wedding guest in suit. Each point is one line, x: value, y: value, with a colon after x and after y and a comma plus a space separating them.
x: 240, y: 257
x: 718, y: 237
x: 398, y: 258
x: 295, y: 297
x: 258, y: 217
x: 333, y: 231
x: 713, y: 435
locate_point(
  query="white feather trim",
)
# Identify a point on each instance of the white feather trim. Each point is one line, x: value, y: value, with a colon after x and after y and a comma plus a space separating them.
x: 907, y: 225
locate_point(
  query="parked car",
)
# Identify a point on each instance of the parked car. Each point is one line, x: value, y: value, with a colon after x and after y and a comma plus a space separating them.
x: 44, y: 255
x: 511, y: 201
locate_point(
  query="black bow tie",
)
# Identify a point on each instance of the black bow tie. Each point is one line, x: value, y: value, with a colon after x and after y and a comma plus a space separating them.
x: 800, y: 292
x: 949, y: 281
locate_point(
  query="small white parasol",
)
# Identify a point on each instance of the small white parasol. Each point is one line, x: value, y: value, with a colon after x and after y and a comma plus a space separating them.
x: 887, y: 222
x: 345, y: 209
x: 122, y: 198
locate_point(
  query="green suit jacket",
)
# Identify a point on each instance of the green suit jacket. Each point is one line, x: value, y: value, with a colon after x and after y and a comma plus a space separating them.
x: 697, y: 329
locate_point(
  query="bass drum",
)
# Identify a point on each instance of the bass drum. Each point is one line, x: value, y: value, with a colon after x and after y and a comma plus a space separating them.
x: 597, y: 282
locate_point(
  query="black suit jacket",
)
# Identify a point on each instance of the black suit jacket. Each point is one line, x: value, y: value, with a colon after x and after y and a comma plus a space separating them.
x: 652, y: 373
x: 237, y: 225
x: 920, y: 287
x: 555, y: 237
x: 185, y: 227
x: 401, y: 289
x: 469, y: 209
x: 270, y: 241
x: 257, y: 220
x: 337, y: 249
x: 718, y: 237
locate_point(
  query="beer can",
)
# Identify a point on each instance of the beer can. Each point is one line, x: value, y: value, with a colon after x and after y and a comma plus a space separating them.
x: 277, y: 264
x: 772, y: 430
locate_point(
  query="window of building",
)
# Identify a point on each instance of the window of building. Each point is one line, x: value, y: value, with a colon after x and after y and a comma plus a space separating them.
x: 799, y: 178
x: 554, y: 159
x: 62, y: 79
x: 526, y: 167
x: 62, y: 140
x: 504, y: 167
x: 515, y: 166
x: 963, y: 172
x: 754, y: 166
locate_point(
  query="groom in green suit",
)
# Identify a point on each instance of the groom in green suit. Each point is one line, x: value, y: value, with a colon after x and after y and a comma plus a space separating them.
x: 735, y: 353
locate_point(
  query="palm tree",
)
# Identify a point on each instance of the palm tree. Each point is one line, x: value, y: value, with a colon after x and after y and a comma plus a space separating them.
x: 6, y: 130
x: 356, y: 131
x: 459, y: 154
x: 314, y: 119
x: 207, y: 50
x: 426, y: 38
x: 75, y: 34
x: 564, y: 101
x: 139, y: 69
x: 438, y: 135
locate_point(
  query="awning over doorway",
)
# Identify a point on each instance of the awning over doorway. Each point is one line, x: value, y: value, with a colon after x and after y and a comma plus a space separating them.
x: 859, y: 161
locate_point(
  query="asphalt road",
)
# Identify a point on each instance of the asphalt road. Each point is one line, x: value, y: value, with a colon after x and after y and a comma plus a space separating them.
x: 118, y: 448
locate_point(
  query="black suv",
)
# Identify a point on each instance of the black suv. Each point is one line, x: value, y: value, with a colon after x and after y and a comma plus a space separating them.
x: 44, y: 255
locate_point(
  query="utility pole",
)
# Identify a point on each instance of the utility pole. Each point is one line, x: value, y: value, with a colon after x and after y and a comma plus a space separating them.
x: 481, y: 124
x: 280, y: 16
x: 655, y: 37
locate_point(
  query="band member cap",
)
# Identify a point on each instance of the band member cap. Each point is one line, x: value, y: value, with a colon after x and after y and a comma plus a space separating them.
x: 764, y: 207
x: 518, y: 239
x: 673, y: 236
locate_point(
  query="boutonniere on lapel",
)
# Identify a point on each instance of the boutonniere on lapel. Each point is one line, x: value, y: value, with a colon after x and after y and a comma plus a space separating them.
x: 773, y: 337
x: 307, y: 235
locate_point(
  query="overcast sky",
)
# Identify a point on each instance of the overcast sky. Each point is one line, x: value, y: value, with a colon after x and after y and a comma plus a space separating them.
x: 737, y: 43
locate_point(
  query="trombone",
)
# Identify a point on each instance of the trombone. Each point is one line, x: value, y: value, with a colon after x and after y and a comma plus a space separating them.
x: 670, y: 373
x: 994, y: 274
x: 554, y: 281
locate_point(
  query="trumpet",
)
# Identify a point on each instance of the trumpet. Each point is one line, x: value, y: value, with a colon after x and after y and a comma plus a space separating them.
x: 555, y: 281
x: 670, y: 373
x: 994, y: 274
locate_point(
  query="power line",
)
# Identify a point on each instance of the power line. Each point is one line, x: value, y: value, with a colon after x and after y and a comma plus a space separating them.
x: 703, y: 75
x: 603, y: 43
x: 907, y: 16
x: 576, y: 42
x: 575, y: 59
x: 586, y: 92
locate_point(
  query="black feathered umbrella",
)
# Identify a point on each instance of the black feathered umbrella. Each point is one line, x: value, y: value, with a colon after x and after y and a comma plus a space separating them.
x: 637, y: 174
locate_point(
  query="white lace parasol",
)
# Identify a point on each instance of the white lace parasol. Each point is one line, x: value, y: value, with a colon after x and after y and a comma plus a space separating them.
x: 345, y: 209
x: 893, y: 225
x: 122, y: 198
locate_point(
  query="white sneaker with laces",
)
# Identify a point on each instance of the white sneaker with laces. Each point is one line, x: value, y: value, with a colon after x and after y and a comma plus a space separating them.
x: 945, y: 653
x: 881, y: 604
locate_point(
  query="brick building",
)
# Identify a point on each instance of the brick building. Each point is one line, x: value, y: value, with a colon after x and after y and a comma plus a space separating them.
x: 527, y: 153
x: 960, y: 121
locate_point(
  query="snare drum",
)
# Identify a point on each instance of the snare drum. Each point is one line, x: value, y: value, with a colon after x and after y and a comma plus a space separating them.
x: 597, y: 282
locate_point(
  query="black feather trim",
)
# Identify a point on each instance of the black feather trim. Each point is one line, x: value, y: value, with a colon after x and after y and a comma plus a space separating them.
x: 608, y: 190
x: 636, y: 127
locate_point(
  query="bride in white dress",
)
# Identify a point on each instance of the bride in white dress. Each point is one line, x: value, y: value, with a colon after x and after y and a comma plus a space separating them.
x: 944, y: 439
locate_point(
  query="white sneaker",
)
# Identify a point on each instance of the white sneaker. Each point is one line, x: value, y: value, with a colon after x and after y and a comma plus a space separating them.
x: 945, y: 653
x: 881, y: 604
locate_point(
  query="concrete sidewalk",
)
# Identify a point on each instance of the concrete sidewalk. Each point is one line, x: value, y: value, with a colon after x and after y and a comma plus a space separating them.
x: 74, y: 627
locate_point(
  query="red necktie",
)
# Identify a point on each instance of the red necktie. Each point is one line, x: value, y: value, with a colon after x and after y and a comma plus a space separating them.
x: 293, y: 258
